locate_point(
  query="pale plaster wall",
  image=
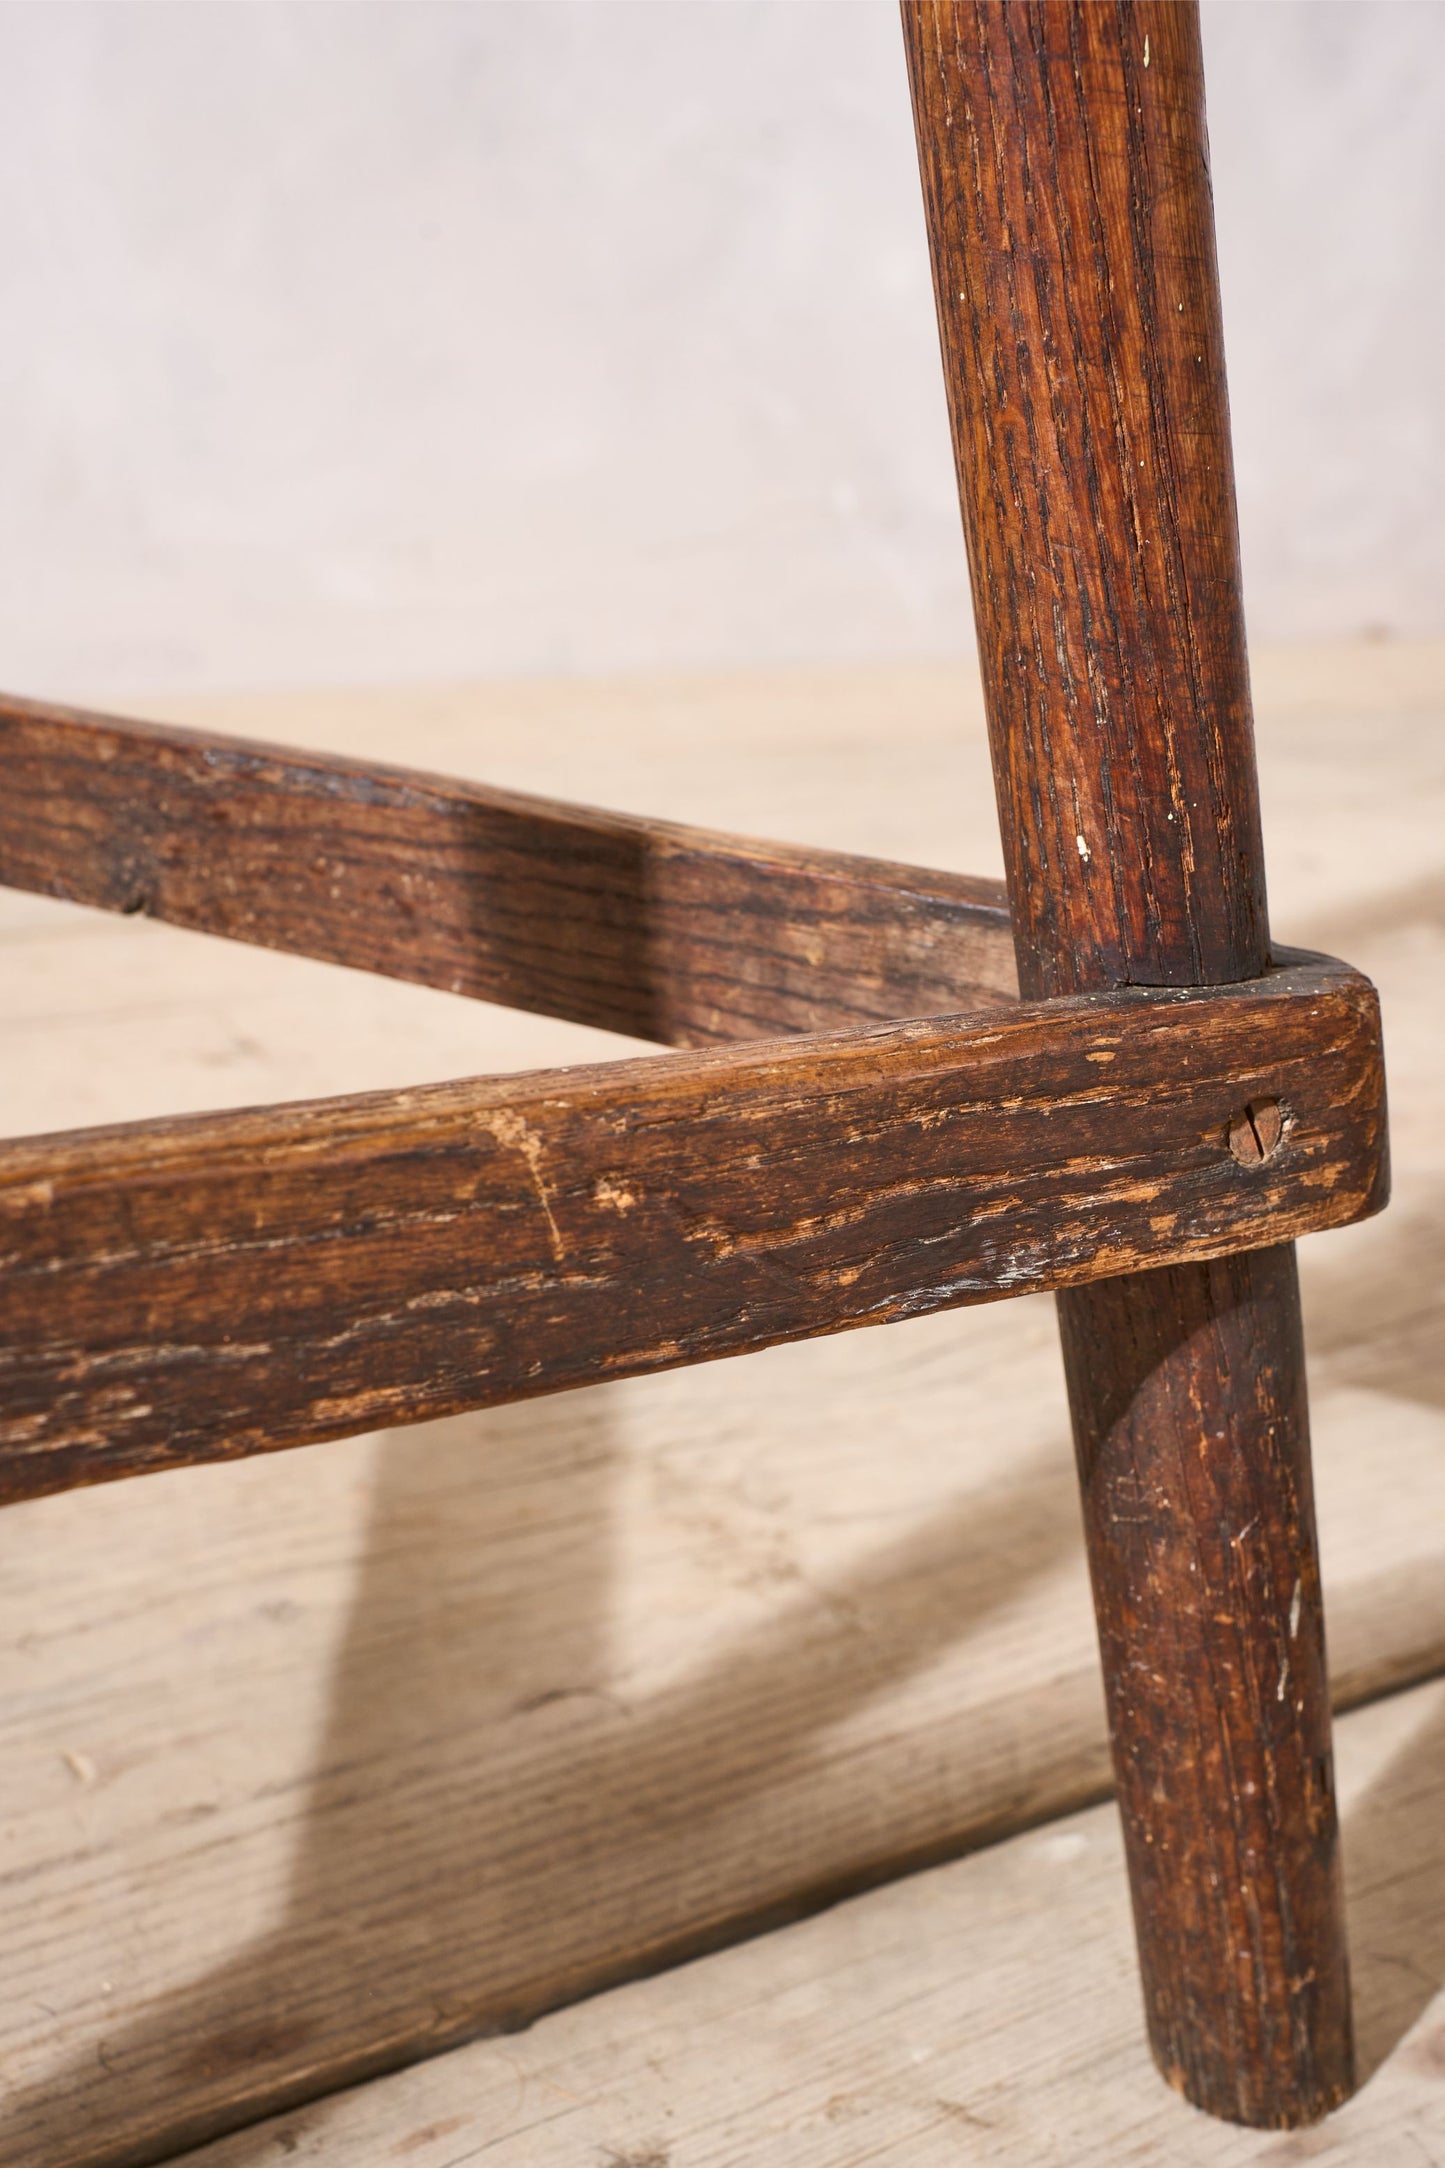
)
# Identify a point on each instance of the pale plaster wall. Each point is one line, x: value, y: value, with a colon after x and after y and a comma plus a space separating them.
x: 358, y: 339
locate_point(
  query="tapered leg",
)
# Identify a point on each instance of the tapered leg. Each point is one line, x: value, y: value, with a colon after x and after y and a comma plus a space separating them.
x: 1187, y: 1387
x: 1065, y: 170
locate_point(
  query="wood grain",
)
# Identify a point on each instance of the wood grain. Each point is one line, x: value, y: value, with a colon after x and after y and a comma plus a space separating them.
x: 1065, y: 168
x: 644, y: 927
x: 1068, y: 198
x: 1214, y: 1566
x: 859, y: 2036
x: 225, y: 1284
x: 1161, y: 1367
x: 486, y: 1714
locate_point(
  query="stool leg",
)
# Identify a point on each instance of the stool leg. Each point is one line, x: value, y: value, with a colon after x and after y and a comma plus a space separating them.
x: 1187, y: 1390
x: 1065, y: 170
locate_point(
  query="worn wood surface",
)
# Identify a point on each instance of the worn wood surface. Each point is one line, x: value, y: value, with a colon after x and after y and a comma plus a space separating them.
x: 1067, y: 186
x: 644, y: 927
x: 1066, y: 173
x: 1296, y: 2060
x: 317, y: 1761
x: 225, y: 1284
x: 1190, y: 1419
x: 985, y: 2013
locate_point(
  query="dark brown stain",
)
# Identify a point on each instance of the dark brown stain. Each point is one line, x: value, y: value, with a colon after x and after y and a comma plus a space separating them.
x: 183, y: 1290
x: 1065, y: 168
x: 223, y: 1284
x: 645, y: 927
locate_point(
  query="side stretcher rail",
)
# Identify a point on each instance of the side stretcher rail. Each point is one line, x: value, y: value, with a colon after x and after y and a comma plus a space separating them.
x: 192, y: 1289
x: 645, y: 927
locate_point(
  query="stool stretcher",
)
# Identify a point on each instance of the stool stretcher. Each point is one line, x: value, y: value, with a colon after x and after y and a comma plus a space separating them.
x: 661, y: 931
x: 191, y: 1289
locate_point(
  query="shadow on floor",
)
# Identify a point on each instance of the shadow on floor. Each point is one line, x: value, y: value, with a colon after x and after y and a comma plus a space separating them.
x: 598, y: 1830
x: 1383, y: 1328
x: 1394, y: 1853
x: 509, y: 1623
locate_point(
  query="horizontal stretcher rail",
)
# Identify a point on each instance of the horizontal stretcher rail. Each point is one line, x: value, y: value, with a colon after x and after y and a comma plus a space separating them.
x: 191, y: 1289
x: 645, y: 927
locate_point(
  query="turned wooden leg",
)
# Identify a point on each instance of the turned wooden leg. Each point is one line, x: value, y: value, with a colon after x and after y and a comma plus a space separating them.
x: 1065, y: 168
x: 1188, y: 1395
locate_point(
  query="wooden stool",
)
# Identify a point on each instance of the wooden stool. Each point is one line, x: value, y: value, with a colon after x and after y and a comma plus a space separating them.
x: 1147, y: 1130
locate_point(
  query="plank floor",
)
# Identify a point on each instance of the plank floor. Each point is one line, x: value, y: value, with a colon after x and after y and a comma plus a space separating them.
x: 987, y: 2012
x: 318, y: 1764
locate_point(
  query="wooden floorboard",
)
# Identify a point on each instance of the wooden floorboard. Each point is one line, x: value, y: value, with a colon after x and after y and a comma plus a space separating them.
x: 987, y: 2012
x: 318, y: 1763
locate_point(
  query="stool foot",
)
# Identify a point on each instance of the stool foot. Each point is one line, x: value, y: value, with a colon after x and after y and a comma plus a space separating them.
x: 1188, y: 1396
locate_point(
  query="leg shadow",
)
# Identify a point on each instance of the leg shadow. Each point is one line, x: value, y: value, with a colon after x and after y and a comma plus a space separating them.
x: 1383, y: 1327
x: 484, y: 1605
x: 438, y: 1894
x: 1375, y: 1314
x: 1394, y: 1854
